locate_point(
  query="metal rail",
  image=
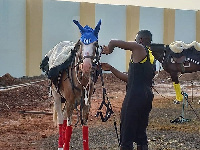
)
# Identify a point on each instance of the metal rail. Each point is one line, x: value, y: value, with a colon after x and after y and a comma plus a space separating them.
x: 6, y: 88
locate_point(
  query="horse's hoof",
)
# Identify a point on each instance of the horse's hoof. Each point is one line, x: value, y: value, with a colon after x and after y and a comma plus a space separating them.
x: 60, y: 148
x: 176, y: 102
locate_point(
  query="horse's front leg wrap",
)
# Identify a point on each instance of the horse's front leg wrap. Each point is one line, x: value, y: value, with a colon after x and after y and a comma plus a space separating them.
x: 85, y: 138
x: 60, y: 139
x: 68, y: 133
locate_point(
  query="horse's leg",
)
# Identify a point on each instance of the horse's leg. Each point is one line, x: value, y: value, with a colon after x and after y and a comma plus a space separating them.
x: 58, y: 109
x: 85, y: 133
x: 85, y: 128
x: 68, y: 127
x: 177, y: 87
x: 69, y: 106
x: 86, y: 110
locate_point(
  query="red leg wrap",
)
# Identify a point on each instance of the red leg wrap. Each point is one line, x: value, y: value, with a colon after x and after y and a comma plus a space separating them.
x: 60, y: 139
x: 64, y: 128
x: 85, y: 138
x: 68, y: 133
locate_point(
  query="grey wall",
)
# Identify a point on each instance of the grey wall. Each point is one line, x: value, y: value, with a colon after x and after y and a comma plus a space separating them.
x: 113, y: 27
x: 58, y: 23
x: 13, y: 37
x: 185, y: 26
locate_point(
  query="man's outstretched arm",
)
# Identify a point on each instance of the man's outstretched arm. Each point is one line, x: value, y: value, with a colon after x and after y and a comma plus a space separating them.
x: 117, y: 73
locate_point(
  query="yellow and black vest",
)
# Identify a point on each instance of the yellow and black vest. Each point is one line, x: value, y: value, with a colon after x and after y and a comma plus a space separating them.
x: 141, y: 74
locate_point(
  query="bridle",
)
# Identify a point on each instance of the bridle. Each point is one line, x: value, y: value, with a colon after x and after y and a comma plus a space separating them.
x: 95, y: 60
x: 94, y: 73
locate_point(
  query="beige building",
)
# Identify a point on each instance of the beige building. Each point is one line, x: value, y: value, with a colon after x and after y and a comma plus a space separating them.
x: 30, y: 28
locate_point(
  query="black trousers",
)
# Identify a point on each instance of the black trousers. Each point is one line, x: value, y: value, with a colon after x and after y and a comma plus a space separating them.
x: 134, y: 119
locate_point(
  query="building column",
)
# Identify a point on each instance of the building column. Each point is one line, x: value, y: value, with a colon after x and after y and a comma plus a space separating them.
x: 169, y: 26
x: 34, y: 13
x: 87, y: 14
x: 132, y: 27
x: 198, y: 26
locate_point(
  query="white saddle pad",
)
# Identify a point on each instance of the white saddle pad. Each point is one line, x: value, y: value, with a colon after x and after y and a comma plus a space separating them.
x: 178, y: 46
x: 60, y: 53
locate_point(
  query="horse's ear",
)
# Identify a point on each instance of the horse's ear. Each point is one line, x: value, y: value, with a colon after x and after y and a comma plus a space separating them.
x: 97, y: 28
x: 79, y: 26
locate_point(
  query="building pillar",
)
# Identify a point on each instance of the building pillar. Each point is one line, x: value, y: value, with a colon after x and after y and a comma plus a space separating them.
x: 34, y: 16
x: 198, y: 26
x: 169, y: 26
x: 132, y: 27
x: 87, y: 14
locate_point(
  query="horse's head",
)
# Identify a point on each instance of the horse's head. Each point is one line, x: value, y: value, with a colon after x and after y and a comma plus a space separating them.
x: 158, y: 51
x: 89, y: 44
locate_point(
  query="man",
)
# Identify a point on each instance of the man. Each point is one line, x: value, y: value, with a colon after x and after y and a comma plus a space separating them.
x: 137, y: 103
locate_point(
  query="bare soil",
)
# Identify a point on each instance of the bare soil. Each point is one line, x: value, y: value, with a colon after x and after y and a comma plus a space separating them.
x: 20, y: 131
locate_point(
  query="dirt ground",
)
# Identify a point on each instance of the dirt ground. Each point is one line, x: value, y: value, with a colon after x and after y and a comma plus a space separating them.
x: 20, y: 131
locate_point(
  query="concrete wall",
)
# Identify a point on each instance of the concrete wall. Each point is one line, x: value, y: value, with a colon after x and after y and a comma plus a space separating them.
x: 13, y: 37
x: 152, y: 19
x: 185, y: 25
x: 30, y: 28
x: 57, y: 23
x: 113, y: 27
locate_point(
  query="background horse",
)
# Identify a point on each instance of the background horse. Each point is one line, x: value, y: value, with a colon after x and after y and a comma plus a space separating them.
x: 73, y: 80
x: 185, y: 58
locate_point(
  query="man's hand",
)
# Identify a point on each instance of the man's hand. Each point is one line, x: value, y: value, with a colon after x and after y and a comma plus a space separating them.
x: 107, y: 49
x: 106, y: 66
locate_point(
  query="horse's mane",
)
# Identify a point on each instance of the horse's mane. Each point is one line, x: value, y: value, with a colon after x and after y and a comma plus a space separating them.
x: 179, y: 46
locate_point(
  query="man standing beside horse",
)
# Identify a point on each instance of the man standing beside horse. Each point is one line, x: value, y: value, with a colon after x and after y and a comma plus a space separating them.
x: 137, y: 103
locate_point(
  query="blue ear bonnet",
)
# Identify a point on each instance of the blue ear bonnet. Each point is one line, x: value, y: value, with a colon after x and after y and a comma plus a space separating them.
x: 88, y: 35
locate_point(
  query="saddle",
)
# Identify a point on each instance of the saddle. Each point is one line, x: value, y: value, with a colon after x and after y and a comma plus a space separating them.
x: 182, y: 53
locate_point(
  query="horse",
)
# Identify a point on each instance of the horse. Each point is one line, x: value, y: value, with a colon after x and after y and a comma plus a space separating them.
x: 72, y: 70
x: 175, y: 58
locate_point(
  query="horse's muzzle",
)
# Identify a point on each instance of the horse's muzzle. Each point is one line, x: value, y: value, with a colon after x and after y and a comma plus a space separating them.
x: 86, y: 65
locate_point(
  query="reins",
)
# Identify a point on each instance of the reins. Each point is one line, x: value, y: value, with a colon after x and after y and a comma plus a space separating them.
x: 109, y: 110
x: 107, y: 104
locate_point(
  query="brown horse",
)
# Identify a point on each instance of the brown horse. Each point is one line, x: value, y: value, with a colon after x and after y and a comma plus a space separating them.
x: 186, y: 60
x: 72, y: 70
